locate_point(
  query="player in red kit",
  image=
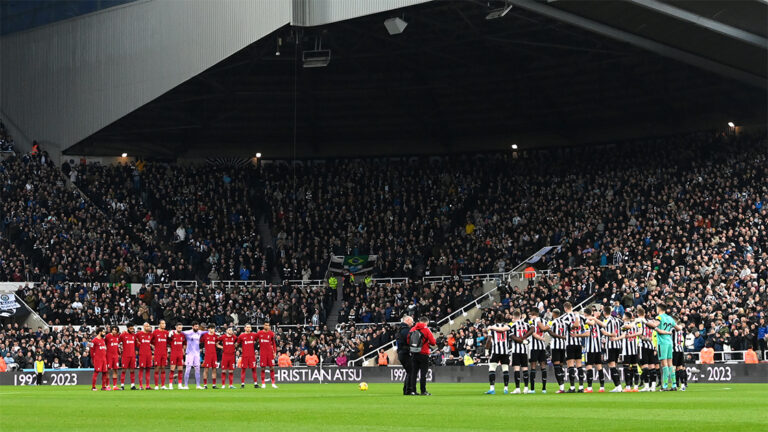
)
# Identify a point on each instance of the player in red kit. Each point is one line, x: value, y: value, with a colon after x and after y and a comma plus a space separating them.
x: 178, y: 344
x: 113, y: 353
x: 128, y: 360
x: 267, y: 350
x: 144, y: 340
x: 247, y: 342
x: 160, y: 343
x: 208, y: 342
x: 99, y: 360
x: 227, y: 344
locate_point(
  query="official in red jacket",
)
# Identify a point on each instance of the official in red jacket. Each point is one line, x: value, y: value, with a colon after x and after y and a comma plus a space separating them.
x: 420, y: 359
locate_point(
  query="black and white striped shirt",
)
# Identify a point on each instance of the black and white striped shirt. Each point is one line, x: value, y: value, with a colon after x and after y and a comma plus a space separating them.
x: 629, y: 345
x: 561, y: 329
x: 537, y: 344
x: 570, y: 320
x: 499, y: 342
x: 592, y: 342
x: 678, y: 340
x: 519, y: 329
x: 613, y: 326
x: 646, y: 332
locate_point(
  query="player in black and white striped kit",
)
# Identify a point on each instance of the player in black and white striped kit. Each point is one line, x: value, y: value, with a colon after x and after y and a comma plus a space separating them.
x: 630, y: 348
x: 649, y: 362
x: 573, y: 346
x: 559, y: 332
x: 538, y: 357
x: 499, y: 345
x: 612, y: 330
x: 678, y: 356
x: 518, y: 349
x: 593, y: 346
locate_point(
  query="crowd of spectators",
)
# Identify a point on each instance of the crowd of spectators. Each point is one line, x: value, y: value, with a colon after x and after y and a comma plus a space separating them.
x: 63, y: 349
x: 114, y: 304
x: 6, y: 139
x: 678, y: 219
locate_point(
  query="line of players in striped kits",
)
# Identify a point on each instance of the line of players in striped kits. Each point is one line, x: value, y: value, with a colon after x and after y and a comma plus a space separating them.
x: 604, y: 338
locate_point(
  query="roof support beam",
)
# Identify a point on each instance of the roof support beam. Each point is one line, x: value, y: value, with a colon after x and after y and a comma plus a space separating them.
x: 709, y: 24
x: 639, y: 41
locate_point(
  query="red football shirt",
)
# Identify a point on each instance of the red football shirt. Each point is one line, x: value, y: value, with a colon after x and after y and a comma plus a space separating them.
x: 208, y: 341
x: 228, y: 345
x: 144, y: 340
x: 99, y: 349
x: 160, y: 342
x: 248, y: 342
x: 113, y: 345
x: 129, y: 344
x: 178, y: 340
x: 267, y: 344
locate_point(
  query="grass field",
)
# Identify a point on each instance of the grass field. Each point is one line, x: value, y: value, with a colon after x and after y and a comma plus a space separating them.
x: 342, y: 407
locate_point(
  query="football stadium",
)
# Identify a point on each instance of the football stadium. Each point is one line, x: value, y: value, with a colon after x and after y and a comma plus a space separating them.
x: 383, y: 215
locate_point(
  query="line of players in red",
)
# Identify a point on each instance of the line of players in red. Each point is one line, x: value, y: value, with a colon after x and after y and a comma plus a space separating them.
x: 117, y: 351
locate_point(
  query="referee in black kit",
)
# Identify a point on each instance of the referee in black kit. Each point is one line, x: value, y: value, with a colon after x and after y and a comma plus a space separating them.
x: 404, y: 353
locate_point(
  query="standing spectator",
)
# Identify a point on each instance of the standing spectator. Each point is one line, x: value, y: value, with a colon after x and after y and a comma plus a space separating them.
x: 420, y: 333
x: 39, y: 369
x: 707, y: 355
x: 404, y: 353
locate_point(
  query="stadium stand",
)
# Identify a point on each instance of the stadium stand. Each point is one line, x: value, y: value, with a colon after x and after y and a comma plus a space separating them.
x: 682, y: 220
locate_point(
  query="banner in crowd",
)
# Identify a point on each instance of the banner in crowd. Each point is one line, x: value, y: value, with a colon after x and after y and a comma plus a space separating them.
x: 9, y: 307
x: 352, y: 263
x: 475, y: 375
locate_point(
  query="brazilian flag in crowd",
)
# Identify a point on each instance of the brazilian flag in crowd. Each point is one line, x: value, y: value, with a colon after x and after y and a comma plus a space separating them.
x: 352, y: 263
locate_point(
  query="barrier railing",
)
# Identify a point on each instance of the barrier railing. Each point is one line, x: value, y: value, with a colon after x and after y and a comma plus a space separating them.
x: 229, y: 284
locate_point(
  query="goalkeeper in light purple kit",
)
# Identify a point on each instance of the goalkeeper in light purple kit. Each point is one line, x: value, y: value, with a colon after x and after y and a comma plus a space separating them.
x: 193, y: 354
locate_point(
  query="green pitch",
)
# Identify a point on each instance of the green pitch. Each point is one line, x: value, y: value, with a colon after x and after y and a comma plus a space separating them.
x: 342, y: 407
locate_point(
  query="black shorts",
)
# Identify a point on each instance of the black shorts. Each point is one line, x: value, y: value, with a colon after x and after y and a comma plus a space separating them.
x: 594, y: 358
x: 500, y: 358
x: 558, y: 355
x: 613, y: 354
x: 678, y: 359
x: 630, y: 359
x: 573, y: 352
x: 519, y: 359
x: 539, y: 356
x: 648, y: 357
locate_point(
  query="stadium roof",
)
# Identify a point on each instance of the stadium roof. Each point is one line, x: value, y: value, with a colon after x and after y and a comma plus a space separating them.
x: 456, y: 81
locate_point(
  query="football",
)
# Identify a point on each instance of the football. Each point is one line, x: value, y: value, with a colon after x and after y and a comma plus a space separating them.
x: 363, y: 386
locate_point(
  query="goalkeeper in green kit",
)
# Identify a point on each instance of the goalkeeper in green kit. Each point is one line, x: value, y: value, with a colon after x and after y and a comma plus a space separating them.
x: 664, y: 327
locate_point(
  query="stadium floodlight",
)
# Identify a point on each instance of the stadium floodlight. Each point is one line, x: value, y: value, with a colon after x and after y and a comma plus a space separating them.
x: 498, y: 13
x: 514, y: 146
x: 730, y: 124
x: 124, y: 155
x: 395, y: 25
x: 258, y: 155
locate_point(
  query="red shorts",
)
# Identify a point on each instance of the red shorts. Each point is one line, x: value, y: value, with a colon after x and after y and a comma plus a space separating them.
x: 177, y: 359
x: 247, y: 362
x: 100, y: 365
x: 227, y: 362
x: 266, y: 360
x: 210, y: 362
x: 145, y: 361
x: 161, y: 361
x: 128, y: 362
x: 113, y: 362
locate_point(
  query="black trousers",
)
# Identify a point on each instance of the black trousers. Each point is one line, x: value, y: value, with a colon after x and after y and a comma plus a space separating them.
x: 405, y: 360
x: 420, y: 364
x: 39, y: 378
